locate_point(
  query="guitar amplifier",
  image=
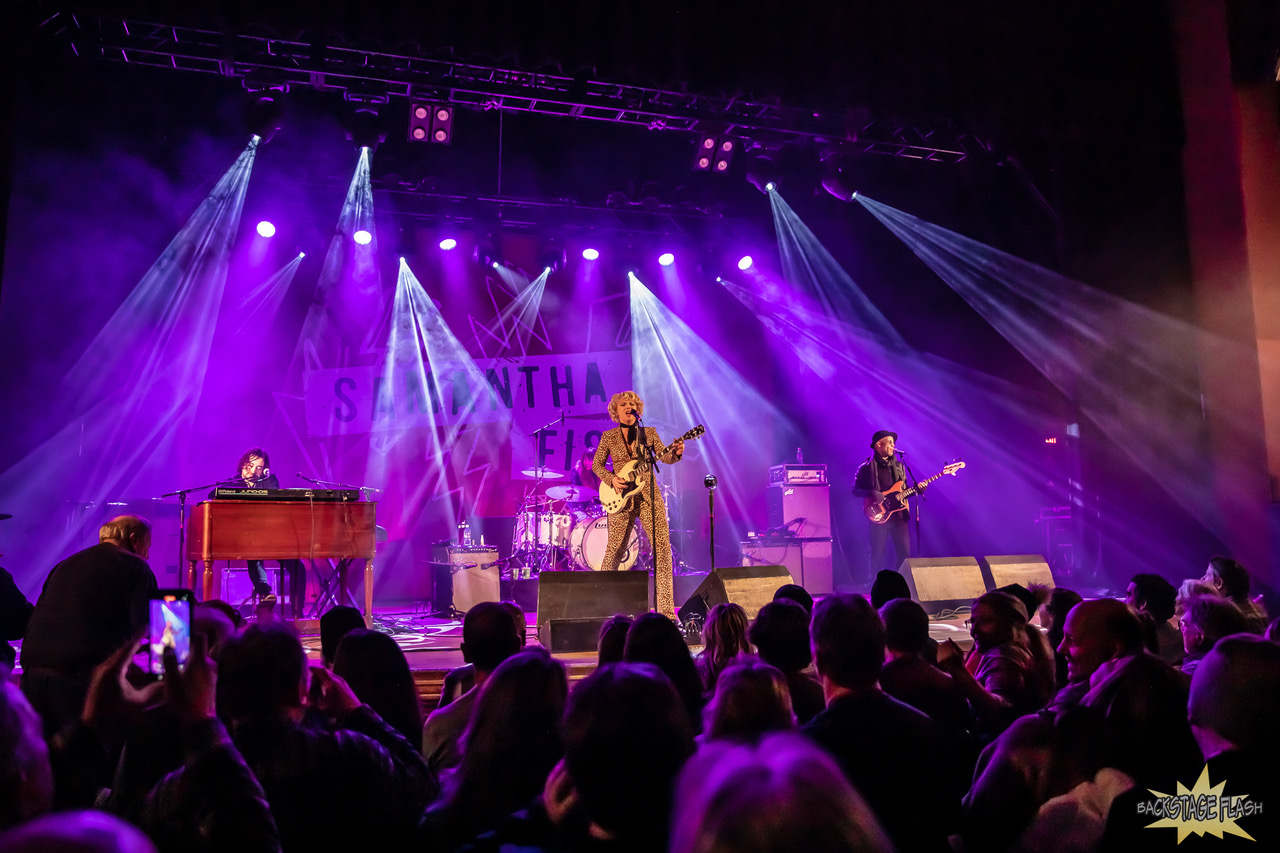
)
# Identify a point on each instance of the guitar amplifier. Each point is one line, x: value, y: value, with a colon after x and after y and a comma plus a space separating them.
x: 798, y: 474
x: 808, y: 560
x: 470, y: 578
x: 803, y: 510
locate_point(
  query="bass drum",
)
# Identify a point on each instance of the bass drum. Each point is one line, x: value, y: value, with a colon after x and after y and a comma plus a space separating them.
x: 589, y: 539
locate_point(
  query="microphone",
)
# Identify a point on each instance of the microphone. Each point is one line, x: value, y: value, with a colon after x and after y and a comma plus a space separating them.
x: 899, y: 450
x: 302, y: 476
x: 633, y: 412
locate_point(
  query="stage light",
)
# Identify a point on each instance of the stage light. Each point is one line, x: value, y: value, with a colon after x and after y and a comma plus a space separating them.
x: 266, y: 229
x: 302, y: 254
x: 362, y: 237
x: 364, y: 128
x: 590, y: 254
x: 496, y: 265
x: 745, y: 262
x: 702, y: 157
x: 448, y: 243
x: 666, y: 259
x: 419, y: 122
x: 264, y: 116
x: 770, y: 187
x: 432, y: 122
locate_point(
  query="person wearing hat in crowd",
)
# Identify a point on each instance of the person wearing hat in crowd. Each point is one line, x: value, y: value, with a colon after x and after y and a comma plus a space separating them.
x: 877, y: 475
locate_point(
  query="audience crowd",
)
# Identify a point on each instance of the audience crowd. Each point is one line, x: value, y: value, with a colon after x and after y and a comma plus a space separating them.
x: 831, y: 725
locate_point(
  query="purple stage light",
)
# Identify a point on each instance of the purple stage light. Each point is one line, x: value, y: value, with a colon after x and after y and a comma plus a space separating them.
x: 745, y: 262
x: 362, y: 237
x: 590, y: 254
x: 448, y: 243
x: 266, y: 229
x: 666, y: 259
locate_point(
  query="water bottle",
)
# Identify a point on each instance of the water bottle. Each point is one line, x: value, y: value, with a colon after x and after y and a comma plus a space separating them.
x: 466, y: 535
x: 799, y: 456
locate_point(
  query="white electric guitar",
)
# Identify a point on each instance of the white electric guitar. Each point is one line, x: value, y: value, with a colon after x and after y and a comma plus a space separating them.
x: 636, y: 473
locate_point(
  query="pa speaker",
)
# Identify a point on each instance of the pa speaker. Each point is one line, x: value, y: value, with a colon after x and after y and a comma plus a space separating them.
x: 588, y: 595
x: 1024, y: 569
x: 750, y: 586
x: 943, y: 583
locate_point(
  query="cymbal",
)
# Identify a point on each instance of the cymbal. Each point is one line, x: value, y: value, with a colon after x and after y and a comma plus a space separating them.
x: 544, y: 473
x: 573, y: 494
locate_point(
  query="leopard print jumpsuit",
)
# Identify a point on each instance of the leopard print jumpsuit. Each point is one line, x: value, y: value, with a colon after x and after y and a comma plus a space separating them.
x: 614, y: 444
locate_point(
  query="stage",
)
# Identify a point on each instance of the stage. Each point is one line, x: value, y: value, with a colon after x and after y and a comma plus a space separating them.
x: 433, y: 645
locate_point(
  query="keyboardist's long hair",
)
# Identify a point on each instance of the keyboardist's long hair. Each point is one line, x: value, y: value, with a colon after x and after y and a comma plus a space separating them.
x: 249, y: 454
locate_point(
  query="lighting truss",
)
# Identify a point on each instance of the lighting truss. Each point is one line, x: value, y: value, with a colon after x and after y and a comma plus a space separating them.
x: 263, y: 62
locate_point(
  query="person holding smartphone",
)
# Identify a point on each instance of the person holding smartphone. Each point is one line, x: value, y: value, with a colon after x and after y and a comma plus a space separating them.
x: 254, y: 469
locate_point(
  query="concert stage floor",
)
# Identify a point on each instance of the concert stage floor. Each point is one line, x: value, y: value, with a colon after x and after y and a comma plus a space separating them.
x: 433, y: 645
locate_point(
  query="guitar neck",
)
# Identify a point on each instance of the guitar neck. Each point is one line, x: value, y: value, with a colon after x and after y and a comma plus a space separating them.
x: 918, y: 486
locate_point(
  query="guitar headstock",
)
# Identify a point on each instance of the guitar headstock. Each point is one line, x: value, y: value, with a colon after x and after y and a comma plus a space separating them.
x: 693, y: 433
x: 953, y: 467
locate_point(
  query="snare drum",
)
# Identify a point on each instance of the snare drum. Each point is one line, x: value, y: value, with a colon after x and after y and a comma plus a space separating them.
x: 541, y: 528
x: 589, y: 539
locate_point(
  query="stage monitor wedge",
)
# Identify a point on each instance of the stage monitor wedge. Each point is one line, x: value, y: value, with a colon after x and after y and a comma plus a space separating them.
x: 750, y: 586
x: 943, y: 583
x: 575, y: 596
x: 1024, y: 569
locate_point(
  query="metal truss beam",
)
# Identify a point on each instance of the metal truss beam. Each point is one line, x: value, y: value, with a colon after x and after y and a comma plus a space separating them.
x: 262, y: 62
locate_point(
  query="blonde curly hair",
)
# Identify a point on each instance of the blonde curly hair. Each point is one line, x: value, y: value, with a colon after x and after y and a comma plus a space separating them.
x: 621, y: 398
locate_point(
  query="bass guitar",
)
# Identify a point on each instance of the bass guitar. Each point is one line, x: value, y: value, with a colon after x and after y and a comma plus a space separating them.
x: 895, y: 497
x: 636, y: 473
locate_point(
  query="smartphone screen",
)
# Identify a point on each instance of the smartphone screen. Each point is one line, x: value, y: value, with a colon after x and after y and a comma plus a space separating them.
x: 170, y: 626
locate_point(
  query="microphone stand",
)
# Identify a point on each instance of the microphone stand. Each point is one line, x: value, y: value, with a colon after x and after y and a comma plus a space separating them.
x: 710, y: 482
x: 642, y: 444
x: 181, y: 495
x: 546, y: 559
x: 915, y: 484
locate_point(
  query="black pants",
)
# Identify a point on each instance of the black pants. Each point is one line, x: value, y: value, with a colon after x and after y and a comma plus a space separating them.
x: 900, y: 532
x: 297, y: 571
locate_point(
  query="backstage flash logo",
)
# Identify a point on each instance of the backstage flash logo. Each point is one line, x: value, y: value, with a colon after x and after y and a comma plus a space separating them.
x: 1204, y: 809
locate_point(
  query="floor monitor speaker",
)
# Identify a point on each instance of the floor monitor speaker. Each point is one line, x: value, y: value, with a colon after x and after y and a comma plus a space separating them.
x: 568, y: 596
x: 943, y: 583
x: 750, y: 586
x: 1024, y: 569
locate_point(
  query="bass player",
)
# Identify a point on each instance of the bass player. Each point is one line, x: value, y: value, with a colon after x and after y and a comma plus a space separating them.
x: 882, y: 469
x: 623, y: 444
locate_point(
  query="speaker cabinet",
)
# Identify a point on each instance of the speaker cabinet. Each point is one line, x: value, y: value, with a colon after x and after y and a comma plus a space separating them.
x: 469, y: 578
x: 804, y: 510
x: 1024, y: 569
x: 943, y: 583
x: 750, y: 586
x: 564, y: 596
x: 808, y: 560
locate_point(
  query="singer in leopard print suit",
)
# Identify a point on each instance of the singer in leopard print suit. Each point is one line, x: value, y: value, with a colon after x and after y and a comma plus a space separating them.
x: 622, y: 445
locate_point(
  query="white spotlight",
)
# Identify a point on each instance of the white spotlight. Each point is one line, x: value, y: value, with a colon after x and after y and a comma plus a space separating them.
x: 362, y: 237
x: 666, y: 259
x: 266, y: 229
x: 448, y: 243
x: 590, y: 254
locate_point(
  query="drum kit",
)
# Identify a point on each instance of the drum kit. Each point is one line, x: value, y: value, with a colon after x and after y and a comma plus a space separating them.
x: 566, y: 528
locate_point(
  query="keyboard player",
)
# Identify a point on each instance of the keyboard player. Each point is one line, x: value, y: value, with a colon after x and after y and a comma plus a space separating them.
x: 255, y: 473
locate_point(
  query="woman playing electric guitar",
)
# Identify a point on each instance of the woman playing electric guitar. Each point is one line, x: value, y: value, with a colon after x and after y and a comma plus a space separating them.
x: 624, y: 444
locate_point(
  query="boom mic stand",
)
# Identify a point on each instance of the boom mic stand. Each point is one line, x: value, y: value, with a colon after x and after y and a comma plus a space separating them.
x: 915, y: 484
x: 651, y: 459
x: 181, y: 495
